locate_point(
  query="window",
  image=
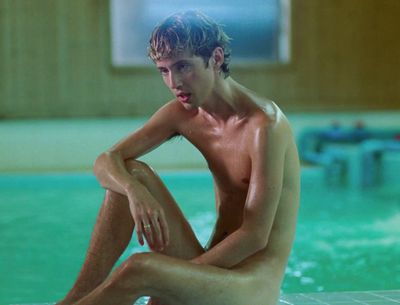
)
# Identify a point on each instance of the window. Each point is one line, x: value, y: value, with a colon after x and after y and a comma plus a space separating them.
x: 259, y: 29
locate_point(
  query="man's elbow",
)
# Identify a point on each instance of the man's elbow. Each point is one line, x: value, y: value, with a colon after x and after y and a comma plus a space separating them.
x: 260, y: 240
x: 97, y: 165
x: 100, y: 165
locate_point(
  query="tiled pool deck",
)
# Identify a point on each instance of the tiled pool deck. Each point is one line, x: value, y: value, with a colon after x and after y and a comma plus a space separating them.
x: 384, y: 297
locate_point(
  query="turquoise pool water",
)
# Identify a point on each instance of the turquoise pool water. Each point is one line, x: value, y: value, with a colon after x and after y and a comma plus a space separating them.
x: 346, y: 239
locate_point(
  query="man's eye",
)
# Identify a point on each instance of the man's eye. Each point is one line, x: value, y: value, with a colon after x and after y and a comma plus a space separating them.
x: 184, y: 67
x: 163, y: 72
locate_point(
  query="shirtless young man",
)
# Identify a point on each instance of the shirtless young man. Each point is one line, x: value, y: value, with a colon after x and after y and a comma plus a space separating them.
x: 251, y: 152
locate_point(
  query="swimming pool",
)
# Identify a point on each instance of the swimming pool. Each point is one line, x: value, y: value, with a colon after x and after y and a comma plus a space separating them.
x: 346, y: 239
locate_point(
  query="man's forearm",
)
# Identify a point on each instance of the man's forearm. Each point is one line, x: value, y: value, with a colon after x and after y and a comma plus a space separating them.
x: 231, y: 251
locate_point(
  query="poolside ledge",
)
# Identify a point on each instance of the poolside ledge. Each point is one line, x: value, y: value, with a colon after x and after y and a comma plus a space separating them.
x: 380, y: 297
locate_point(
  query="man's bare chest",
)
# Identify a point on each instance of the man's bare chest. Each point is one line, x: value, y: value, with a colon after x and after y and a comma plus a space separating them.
x: 227, y: 154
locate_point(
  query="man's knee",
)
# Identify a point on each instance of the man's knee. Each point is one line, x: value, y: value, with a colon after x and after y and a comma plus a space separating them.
x: 137, y: 264
x: 139, y: 169
x: 137, y: 261
x: 131, y: 279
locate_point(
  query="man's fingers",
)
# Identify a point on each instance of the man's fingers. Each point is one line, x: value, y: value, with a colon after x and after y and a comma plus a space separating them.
x: 142, y: 226
x: 164, y: 229
x: 158, y: 239
x: 139, y: 233
x: 151, y: 225
x: 148, y: 232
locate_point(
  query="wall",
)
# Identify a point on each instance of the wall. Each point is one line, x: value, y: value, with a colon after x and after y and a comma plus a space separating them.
x: 55, y: 61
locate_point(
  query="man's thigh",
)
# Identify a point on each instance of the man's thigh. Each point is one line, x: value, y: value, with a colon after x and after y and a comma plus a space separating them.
x: 173, y: 281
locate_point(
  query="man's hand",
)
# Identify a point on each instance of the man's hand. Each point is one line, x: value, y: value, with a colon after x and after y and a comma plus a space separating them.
x: 149, y: 218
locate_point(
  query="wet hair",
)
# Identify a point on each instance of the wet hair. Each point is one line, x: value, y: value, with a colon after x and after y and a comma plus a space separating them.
x: 192, y: 32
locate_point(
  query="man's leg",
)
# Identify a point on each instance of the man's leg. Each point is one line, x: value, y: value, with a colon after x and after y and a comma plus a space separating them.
x: 183, y: 242
x: 114, y: 227
x: 111, y: 235
x: 179, y: 282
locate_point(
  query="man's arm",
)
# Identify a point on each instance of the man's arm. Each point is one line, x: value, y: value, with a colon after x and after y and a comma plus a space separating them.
x: 110, y: 169
x: 268, y: 155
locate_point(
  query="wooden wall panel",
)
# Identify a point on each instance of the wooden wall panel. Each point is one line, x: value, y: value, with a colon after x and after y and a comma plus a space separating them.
x: 55, y: 61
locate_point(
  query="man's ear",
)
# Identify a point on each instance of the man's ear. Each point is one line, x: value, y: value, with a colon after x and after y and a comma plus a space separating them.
x: 217, y: 58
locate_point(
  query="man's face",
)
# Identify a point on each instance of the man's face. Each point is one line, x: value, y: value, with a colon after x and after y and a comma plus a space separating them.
x: 188, y: 78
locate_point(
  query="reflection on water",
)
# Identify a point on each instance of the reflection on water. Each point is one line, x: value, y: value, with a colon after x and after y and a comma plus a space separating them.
x: 346, y: 239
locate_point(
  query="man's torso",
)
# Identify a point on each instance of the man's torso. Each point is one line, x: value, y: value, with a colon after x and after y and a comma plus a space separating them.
x: 227, y: 149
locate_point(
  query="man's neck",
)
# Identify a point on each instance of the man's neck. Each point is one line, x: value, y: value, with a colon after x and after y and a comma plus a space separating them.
x: 224, y: 102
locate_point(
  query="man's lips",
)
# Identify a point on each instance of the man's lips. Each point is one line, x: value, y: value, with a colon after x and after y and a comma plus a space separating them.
x: 183, y: 97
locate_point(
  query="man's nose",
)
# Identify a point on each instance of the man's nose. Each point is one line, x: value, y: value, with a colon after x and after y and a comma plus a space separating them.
x: 175, y: 81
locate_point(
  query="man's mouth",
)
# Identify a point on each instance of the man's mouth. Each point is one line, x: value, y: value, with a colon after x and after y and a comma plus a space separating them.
x: 184, y: 97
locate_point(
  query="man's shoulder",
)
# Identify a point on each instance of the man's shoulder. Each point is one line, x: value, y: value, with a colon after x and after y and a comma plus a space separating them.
x: 171, y: 107
x: 173, y: 111
x: 262, y: 107
x: 269, y: 122
x: 268, y: 114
